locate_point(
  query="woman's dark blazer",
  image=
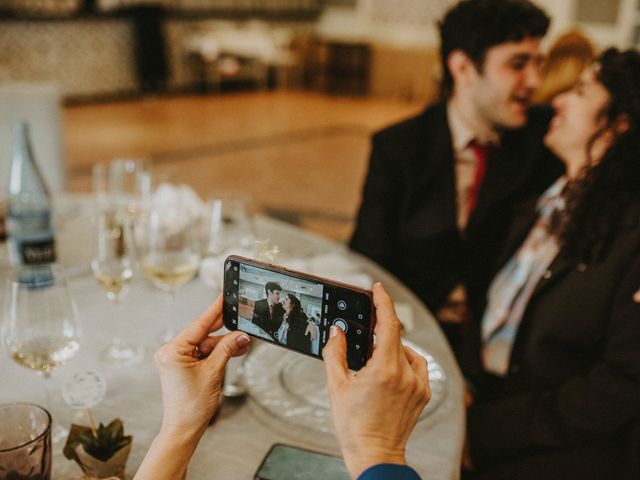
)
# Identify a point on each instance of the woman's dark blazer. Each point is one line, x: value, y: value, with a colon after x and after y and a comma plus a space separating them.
x: 569, y: 406
x: 296, y: 336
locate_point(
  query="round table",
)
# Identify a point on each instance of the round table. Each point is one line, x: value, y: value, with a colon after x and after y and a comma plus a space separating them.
x: 233, y: 447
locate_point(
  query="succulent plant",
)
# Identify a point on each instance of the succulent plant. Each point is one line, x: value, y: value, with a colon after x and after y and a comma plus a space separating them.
x: 101, y: 444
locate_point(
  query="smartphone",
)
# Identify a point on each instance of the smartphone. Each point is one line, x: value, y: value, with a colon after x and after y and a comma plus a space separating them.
x: 296, y: 310
x: 285, y: 462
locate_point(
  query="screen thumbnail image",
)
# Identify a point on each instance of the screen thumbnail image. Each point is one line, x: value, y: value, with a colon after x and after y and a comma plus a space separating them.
x: 280, y: 308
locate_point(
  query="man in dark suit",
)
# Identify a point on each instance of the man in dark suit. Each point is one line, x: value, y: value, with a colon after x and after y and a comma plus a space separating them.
x: 268, y: 312
x: 440, y: 189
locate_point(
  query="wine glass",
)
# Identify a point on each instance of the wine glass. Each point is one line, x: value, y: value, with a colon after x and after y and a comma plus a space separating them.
x: 41, y: 330
x: 112, y: 266
x: 170, y: 254
x: 229, y: 224
x: 130, y: 186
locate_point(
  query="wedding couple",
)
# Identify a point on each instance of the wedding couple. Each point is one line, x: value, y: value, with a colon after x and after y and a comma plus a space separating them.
x: 285, y: 321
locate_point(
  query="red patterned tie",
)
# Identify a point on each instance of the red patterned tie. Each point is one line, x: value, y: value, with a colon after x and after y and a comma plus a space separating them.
x: 271, y: 308
x: 480, y: 151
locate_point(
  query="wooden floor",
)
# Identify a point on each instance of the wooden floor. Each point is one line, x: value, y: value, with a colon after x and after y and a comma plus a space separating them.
x: 302, y: 156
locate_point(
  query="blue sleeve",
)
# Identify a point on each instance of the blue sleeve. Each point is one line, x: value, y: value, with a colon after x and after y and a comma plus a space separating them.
x: 388, y: 471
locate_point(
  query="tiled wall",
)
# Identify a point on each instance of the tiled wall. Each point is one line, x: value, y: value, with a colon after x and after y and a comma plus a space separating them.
x: 94, y: 56
x: 84, y: 57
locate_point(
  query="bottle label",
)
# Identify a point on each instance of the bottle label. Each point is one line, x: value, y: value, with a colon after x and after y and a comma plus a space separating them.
x: 37, y: 252
x: 31, y: 239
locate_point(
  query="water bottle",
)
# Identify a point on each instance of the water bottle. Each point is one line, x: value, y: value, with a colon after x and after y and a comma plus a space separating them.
x: 29, y: 225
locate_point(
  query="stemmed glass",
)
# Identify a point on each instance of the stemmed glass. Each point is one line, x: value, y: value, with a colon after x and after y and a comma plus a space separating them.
x: 171, y: 254
x: 112, y: 266
x: 41, y: 330
x: 229, y: 224
x: 130, y: 186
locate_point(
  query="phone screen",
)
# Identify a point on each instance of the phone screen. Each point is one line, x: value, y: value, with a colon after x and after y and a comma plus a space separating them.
x: 285, y: 462
x: 296, y: 310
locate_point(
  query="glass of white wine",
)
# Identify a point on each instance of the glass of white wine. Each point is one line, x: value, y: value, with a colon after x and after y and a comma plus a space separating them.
x: 112, y: 266
x: 41, y: 330
x: 171, y: 253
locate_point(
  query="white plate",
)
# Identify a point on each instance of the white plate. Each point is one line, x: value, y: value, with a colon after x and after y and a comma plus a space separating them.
x: 291, y: 387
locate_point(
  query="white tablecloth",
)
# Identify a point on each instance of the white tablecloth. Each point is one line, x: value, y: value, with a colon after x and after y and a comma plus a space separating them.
x: 242, y: 434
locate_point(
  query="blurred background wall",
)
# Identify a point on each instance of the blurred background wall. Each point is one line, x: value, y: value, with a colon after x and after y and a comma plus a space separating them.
x: 91, y: 48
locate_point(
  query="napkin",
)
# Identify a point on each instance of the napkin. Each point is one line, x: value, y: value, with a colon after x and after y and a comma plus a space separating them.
x: 179, y: 197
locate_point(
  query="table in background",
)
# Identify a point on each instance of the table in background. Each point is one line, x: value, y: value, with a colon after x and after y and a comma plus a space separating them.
x: 242, y: 433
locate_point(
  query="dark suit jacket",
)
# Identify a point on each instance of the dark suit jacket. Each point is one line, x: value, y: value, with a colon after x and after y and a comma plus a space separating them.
x: 407, y: 219
x: 569, y: 406
x: 263, y: 319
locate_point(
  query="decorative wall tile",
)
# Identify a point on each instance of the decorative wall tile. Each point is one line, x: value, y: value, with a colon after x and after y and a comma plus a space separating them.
x: 84, y: 57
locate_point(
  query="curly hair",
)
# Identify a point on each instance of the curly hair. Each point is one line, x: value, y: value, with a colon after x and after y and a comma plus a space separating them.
x: 474, y: 26
x: 596, y: 200
x: 296, y: 306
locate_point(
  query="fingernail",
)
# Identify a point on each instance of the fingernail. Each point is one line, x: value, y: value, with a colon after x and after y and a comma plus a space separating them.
x: 333, y: 331
x: 242, y: 340
x: 377, y: 284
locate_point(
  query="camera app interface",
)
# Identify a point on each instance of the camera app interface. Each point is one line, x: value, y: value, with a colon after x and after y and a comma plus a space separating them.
x: 295, y: 312
x: 280, y: 308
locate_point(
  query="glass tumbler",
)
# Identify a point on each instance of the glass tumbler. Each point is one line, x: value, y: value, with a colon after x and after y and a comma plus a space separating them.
x: 25, y: 442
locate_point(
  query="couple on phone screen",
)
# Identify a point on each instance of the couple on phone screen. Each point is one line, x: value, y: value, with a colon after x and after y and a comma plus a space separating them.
x: 284, y: 320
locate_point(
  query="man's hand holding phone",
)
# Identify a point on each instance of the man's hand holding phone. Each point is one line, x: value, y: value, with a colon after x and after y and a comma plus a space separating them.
x: 375, y: 410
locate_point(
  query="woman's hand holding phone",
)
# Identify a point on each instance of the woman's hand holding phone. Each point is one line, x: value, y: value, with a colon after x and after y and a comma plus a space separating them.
x: 191, y: 368
x: 375, y: 410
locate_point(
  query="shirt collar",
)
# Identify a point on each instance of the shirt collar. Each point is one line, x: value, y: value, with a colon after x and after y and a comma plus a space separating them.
x: 462, y: 134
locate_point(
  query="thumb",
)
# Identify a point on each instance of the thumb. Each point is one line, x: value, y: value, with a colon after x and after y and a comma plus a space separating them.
x: 226, y: 348
x: 335, y: 357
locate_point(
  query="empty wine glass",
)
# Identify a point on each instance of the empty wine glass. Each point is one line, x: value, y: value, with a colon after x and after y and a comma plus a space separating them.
x: 112, y: 266
x: 130, y: 187
x: 229, y: 224
x: 41, y: 330
x: 171, y: 253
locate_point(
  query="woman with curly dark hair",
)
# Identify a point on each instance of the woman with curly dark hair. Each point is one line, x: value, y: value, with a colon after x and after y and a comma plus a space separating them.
x: 294, y: 328
x: 554, y: 363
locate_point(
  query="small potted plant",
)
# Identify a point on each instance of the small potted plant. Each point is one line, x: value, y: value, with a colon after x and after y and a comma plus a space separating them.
x: 100, y: 452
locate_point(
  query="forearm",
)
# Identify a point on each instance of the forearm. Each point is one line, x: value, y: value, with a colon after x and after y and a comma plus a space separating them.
x: 168, y: 457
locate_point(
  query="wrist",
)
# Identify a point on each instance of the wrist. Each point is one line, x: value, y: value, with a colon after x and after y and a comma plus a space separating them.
x: 359, y: 460
x: 186, y: 439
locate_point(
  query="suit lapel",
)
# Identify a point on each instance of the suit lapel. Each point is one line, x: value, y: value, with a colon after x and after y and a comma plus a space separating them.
x: 434, y: 164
